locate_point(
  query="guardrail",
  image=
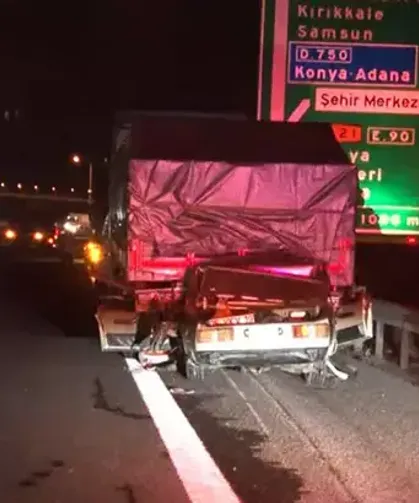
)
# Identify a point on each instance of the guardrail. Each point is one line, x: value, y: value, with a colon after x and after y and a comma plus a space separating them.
x: 46, y: 197
x: 397, y: 316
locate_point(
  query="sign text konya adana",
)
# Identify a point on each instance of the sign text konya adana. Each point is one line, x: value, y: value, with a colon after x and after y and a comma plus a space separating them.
x: 352, y: 62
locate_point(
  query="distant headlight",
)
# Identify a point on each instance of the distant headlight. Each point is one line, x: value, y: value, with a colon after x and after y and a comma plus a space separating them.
x: 71, y: 227
x: 10, y: 234
x: 38, y: 236
x: 94, y: 252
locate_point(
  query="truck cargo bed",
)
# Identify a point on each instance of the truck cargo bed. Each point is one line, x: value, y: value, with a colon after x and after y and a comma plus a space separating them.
x: 201, y: 188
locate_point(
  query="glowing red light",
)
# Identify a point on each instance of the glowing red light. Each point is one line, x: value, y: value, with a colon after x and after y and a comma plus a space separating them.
x: 304, y: 271
x: 411, y: 240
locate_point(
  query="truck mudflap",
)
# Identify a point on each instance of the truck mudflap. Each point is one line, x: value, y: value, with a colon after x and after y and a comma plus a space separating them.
x: 117, y: 327
x: 354, y: 321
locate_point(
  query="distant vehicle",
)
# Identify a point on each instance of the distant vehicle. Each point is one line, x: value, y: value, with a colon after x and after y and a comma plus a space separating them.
x: 72, y: 234
x: 75, y: 224
x: 25, y: 234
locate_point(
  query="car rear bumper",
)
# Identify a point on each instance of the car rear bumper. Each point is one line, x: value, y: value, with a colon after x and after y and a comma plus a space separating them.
x: 219, y: 359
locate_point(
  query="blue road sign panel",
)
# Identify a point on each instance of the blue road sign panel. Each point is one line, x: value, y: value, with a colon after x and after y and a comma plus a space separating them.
x: 353, y: 64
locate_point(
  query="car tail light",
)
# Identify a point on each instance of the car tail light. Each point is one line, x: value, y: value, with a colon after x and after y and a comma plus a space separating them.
x: 320, y: 330
x: 212, y: 335
x: 203, y: 335
x: 302, y: 331
x: 225, y: 334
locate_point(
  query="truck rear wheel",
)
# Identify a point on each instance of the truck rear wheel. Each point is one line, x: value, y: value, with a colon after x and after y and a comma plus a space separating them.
x: 185, y: 366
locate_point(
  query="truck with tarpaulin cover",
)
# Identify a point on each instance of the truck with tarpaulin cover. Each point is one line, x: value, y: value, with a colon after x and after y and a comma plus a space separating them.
x: 230, y: 243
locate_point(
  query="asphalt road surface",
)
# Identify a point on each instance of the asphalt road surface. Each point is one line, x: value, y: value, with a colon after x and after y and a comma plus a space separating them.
x: 72, y: 424
x: 78, y: 425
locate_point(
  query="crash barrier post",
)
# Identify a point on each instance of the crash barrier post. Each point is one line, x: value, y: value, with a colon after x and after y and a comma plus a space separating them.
x: 398, y: 317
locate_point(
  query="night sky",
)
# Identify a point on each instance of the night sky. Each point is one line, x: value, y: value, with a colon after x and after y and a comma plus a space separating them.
x: 67, y: 66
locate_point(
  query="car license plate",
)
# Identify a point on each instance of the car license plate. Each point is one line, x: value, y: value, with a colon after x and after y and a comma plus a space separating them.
x: 263, y: 331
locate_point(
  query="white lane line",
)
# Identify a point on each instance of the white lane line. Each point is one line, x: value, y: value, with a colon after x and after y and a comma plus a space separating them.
x: 252, y: 410
x: 200, y: 476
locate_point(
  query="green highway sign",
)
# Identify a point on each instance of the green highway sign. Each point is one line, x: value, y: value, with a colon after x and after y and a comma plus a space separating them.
x: 352, y: 63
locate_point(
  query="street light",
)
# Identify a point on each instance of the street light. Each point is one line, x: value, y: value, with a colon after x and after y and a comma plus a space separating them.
x: 53, y: 189
x: 19, y: 186
x: 35, y: 187
x: 77, y: 159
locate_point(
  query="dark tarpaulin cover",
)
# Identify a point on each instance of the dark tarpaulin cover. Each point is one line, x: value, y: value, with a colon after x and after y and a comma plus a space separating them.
x: 209, y: 207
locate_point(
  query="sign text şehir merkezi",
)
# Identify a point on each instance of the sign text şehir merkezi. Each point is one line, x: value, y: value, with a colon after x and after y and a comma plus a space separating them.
x: 359, y: 64
x: 372, y: 101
